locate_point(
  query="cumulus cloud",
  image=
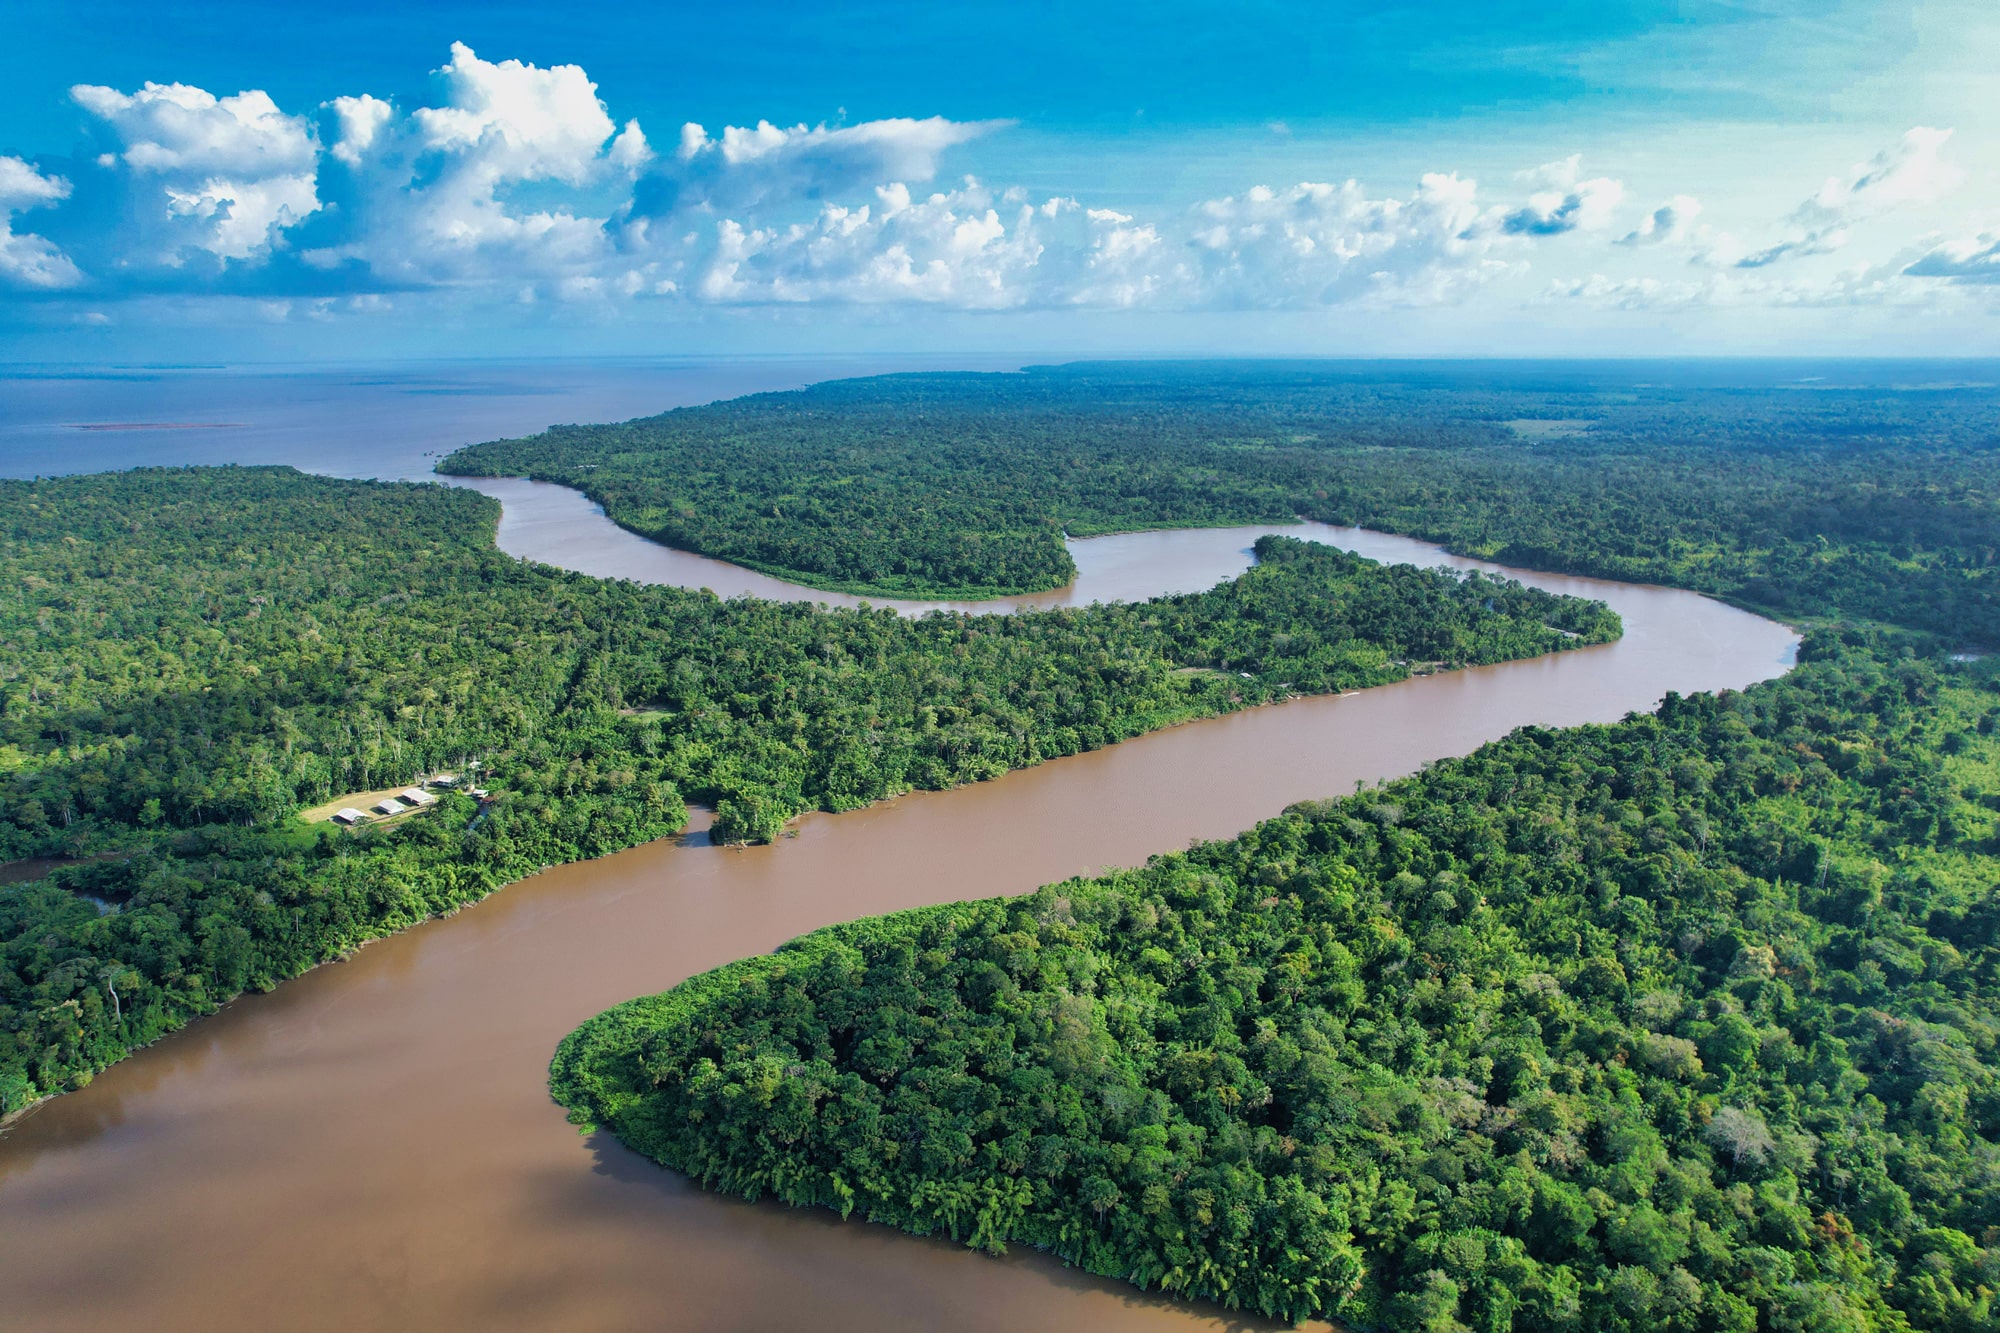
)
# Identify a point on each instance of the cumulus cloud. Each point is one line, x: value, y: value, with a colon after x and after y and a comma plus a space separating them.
x: 746, y: 167
x: 950, y: 248
x: 1911, y: 170
x: 359, y: 121
x: 222, y: 175
x: 630, y: 151
x: 963, y: 247
x: 429, y: 200
x: 27, y: 260
x: 1563, y: 201
x: 510, y: 181
x: 173, y: 128
x: 1319, y: 244
x: 514, y: 121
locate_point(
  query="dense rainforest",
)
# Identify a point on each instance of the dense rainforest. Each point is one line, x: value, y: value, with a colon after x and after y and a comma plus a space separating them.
x: 1684, y: 1023
x: 190, y: 657
x: 1877, y: 499
x: 1690, y: 1022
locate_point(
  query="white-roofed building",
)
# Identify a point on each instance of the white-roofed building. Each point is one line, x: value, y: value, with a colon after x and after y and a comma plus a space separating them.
x: 348, y: 815
x: 390, y: 806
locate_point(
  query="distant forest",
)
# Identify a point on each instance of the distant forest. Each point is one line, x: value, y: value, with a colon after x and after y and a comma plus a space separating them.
x: 1875, y: 500
x: 189, y: 657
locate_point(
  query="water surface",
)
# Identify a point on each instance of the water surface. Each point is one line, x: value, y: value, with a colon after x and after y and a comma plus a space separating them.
x: 390, y: 422
x: 555, y: 525
x: 373, y: 1146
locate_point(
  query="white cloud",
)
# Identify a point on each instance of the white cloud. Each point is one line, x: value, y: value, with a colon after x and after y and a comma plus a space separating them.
x: 1124, y: 265
x: 176, y: 129
x: 516, y: 122
x: 233, y: 173
x: 1564, y: 201
x: 1671, y: 223
x: 360, y: 120
x: 746, y: 167
x: 1320, y: 244
x: 240, y: 217
x: 962, y: 248
x: 1881, y: 285
x: 952, y: 248
x: 1973, y: 260
x: 630, y: 151
x: 28, y: 260
x: 515, y: 182
x: 434, y: 206
x: 1911, y: 170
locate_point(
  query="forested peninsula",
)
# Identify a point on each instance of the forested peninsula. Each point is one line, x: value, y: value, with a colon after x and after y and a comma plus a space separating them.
x: 1877, y: 499
x: 193, y: 656
x: 1684, y: 1023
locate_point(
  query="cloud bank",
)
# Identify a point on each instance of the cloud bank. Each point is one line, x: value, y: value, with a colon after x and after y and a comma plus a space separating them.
x: 513, y: 182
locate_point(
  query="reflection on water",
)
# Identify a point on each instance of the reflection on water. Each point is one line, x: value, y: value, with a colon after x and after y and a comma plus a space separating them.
x: 32, y: 868
x: 373, y: 1144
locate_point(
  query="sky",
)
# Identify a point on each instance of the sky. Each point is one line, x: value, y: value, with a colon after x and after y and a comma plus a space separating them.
x: 224, y: 181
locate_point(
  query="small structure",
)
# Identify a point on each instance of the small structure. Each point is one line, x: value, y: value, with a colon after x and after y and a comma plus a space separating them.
x: 390, y: 806
x: 445, y: 781
x: 348, y: 815
x: 418, y: 796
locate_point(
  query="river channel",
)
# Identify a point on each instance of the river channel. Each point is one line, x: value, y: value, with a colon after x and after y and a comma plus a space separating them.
x: 373, y: 1146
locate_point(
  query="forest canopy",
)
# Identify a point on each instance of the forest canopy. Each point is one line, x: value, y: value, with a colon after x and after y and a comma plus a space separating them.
x: 1875, y: 499
x: 1686, y: 1023
x: 192, y: 656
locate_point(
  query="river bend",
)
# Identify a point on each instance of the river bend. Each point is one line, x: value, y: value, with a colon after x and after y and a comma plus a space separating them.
x: 373, y: 1146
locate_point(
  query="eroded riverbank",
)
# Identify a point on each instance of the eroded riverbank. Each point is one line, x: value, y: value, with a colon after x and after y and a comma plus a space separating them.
x: 373, y: 1145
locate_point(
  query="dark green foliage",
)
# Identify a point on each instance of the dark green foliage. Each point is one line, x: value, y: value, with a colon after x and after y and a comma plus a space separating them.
x: 192, y: 656
x: 101, y: 958
x: 1686, y: 1023
x: 1873, y: 501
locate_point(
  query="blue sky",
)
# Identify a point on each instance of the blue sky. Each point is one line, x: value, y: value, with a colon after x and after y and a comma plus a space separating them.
x: 243, y: 181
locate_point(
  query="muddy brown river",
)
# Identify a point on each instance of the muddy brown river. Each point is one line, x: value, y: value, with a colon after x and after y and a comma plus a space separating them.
x: 373, y: 1146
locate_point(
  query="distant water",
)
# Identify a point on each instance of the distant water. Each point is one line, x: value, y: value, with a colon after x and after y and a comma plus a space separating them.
x: 386, y: 422
x: 395, y: 421
x: 373, y: 1144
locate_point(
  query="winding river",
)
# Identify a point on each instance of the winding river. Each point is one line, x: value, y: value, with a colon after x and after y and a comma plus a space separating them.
x: 372, y: 1145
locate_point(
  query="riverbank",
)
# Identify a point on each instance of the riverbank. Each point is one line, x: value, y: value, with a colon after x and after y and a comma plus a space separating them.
x: 373, y: 1143
x: 313, y: 653
x: 1472, y: 990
